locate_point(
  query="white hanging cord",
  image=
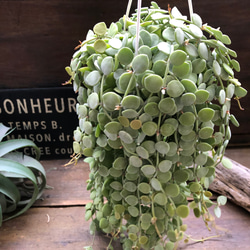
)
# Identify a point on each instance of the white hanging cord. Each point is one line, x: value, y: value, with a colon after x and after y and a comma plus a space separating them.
x: 138, y: 26
x: 127, y: 13
x: 190, y: 5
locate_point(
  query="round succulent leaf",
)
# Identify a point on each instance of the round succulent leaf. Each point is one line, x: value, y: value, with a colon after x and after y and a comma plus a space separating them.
x: 191, y: 49
x: 149, y: 128
x: 216, y: 68
x: 175, y: 88
x: 125, y: 56
x: 206, y: 132
x: 228, y: 69
x: 149, y: 146
x: 206, y: 114
x: 196, y: 19
x: 160, y: 213
x: 203, y: 147
x: 203, y: 51
x: 92, y: 78
x: 140, y: 63
x: 182, y: 211
x: 164, y: 177
x: 182, y: 70
x: 131, y: 102
x: 115, y: 144
x: 187, y: 119
x: 235, y: 65
x: 144, y: 49
x: 202, y: 96
x: 142, y: 152
x: 190, y: 137
x: 100, y: 29
x: 162, y: 147
x: 143, y: 240
x: 103, y: 223
x: 233, y: 119
x: 124, y: 121
x: 146, y: 37
x: 202, y: 172
x: 172, y: 236
x: 119, y: 208
x: 164, y: 48
x: 240, y: 91
x: 230, y: 90
x: 172, y: 190
x: 116, y: 185
x: 160, y: 199
x: 152, y: 109
x: 100, y: 46
x: 129, y: 113
x: 132, y: 200
x: 148, y: 170
x: 76, y: 147
x: 169, y: 34
x: 187, y: 99
x: 178, y: 57
x: 136, y: 124
x: 93, y: 100
x: 201, y: 159
x: 107, y: 65
x: 144, y: 188
x: 132, y: 170
x: 181, y: 175
x: 115, y: 43
x: 195, y: 187
x: 146, y: 218
x: 125, y: 137
x: 133, y: 211
x: 156, y: 185
x: 165, y: 165
x: 87, y: 127
x: 167, y: 105
x: 110, y: 101
x: 195, y: 31
x: 135, y: 161
x: 113, y: 127
x: 198, y: 65
x: 159, y: 67
x: 167, y: 129
x: 222, y: 96
x: 189, y: 85
x: 130, y: 186
x: 125, y: 80
x: 179, y: 36
x: 153, y: 83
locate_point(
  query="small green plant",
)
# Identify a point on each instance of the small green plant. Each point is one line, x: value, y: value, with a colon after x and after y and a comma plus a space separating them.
x: 154, y: 121
x: 22, y: 178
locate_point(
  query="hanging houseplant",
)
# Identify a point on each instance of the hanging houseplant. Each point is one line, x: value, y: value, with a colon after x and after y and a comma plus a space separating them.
x: 154, y: 121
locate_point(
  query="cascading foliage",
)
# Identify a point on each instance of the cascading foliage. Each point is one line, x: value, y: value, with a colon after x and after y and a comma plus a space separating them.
x: 153, y: 124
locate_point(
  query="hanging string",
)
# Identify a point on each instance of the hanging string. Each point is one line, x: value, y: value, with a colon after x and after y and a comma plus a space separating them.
x: 138, y: 26
x: 127, y: 13
x: 190, y: 5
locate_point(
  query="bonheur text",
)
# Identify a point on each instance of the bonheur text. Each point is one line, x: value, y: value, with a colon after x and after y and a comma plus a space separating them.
x: 37, y: 105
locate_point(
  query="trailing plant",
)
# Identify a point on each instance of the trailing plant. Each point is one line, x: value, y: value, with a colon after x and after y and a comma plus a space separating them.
x: 154, y: 122
x: 22, y: 178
